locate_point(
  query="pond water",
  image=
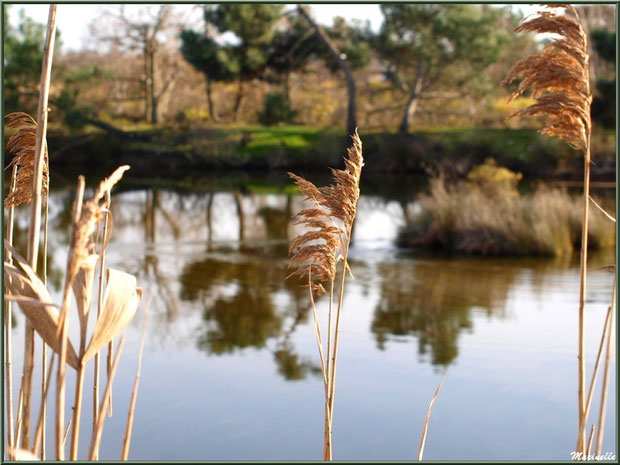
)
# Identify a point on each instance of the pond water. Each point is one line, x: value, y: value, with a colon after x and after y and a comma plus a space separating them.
x: 231, y: 369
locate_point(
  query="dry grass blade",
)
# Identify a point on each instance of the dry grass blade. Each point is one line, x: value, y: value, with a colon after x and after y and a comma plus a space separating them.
x: 41, y: 313
x: 134, y: 393
x: 96, y: 438
x: 22, y: 144
x: 590, y: 438
x: 39, y: 435
x: 602, y: 210
x: 120, y: 303
x: 605, y: 386
x: 428, y: 416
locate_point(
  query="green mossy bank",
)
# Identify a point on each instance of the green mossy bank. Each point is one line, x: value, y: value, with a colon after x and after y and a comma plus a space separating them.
x: 180, y: 150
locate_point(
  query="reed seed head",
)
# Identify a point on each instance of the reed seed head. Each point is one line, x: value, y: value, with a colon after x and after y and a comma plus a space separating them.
x: 558, y: 76
x: 23, y: 144
x: 330, y: 220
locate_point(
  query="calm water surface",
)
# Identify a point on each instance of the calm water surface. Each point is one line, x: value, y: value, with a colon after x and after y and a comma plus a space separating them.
x: 231, y: 369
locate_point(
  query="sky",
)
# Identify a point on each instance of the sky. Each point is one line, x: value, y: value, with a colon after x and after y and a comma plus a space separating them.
x: 73, y: 20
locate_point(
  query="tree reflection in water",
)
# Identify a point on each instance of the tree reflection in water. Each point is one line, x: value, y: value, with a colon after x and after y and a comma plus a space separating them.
x: 434, y: 302
x: 237, y: 292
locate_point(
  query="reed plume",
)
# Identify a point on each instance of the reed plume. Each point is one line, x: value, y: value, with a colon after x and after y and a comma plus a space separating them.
x: 22, y: 144
x: 559, y: 79
x: 317, y: 252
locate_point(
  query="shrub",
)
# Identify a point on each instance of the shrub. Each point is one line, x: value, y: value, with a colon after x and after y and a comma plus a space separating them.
x: 464, y: 218
x: 277, y: 110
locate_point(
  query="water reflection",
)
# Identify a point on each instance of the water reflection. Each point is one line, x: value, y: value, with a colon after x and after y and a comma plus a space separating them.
x: 434, y: 302
x: 222, y: 257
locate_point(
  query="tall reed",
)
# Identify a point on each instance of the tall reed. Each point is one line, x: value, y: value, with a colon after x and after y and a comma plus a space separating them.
x: 22, y: 144
x: 317, y: 253
x: 39, y: 168
x: 559, y: 79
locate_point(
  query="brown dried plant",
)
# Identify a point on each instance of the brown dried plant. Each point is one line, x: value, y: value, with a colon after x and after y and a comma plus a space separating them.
x: 317, y: 252
x: 330, y: 219
x: 559, y: 79
x: 22, y: 145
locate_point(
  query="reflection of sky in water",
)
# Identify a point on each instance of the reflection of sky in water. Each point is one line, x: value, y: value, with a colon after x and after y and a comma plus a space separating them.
x: 230, y: 363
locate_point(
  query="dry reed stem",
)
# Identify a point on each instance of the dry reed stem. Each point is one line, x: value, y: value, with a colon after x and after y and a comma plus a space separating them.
x: 317, y: 329
x: 99, y: 305
x: 604, y: 335
x: 8, y: 316
x: 64, y: 322
x: 44, y: 378
x: 590, y: 438
x: 559, y: 78
x: 134, y: 393
x: 428, y: 417
x: 96, y: 438
x: 330, y: 219
x: 77, y: 412
x: 328, y: 421
x: 605, y: 386
x: 18, y: 423
x: 35, y: 205
x: 602, y: 210
x: 66, y: 435
x: 40, y: 431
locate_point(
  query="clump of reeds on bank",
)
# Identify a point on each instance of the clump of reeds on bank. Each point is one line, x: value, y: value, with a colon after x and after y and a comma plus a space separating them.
x: 320, y: 252
x: 25, y: 284
x: 559, y: 79
x: 491, y: 218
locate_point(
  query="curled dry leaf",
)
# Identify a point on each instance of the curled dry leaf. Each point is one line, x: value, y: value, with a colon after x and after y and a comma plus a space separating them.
x: 41, y: 313
x: 120, y: 303
x: 83, y: 291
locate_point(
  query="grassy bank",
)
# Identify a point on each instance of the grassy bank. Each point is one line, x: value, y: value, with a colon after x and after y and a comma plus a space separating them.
x: 495, y: 219
x: 456, y: 150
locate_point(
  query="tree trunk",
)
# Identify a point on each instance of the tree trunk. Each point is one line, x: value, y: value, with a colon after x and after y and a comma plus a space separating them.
x: 342, y: 63
x: 238, y: 100
x: 239, y: 203
x: 212, y: 110
x: 412, y: 103
x: 147, y: 84
x: 287, y: 88
x: 154, y: 99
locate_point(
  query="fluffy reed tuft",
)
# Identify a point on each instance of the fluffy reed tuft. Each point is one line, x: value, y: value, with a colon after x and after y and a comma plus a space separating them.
x: 329, y: 219
x: 22, y: 144
x: 83, y: 251
x: 558, y: 76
